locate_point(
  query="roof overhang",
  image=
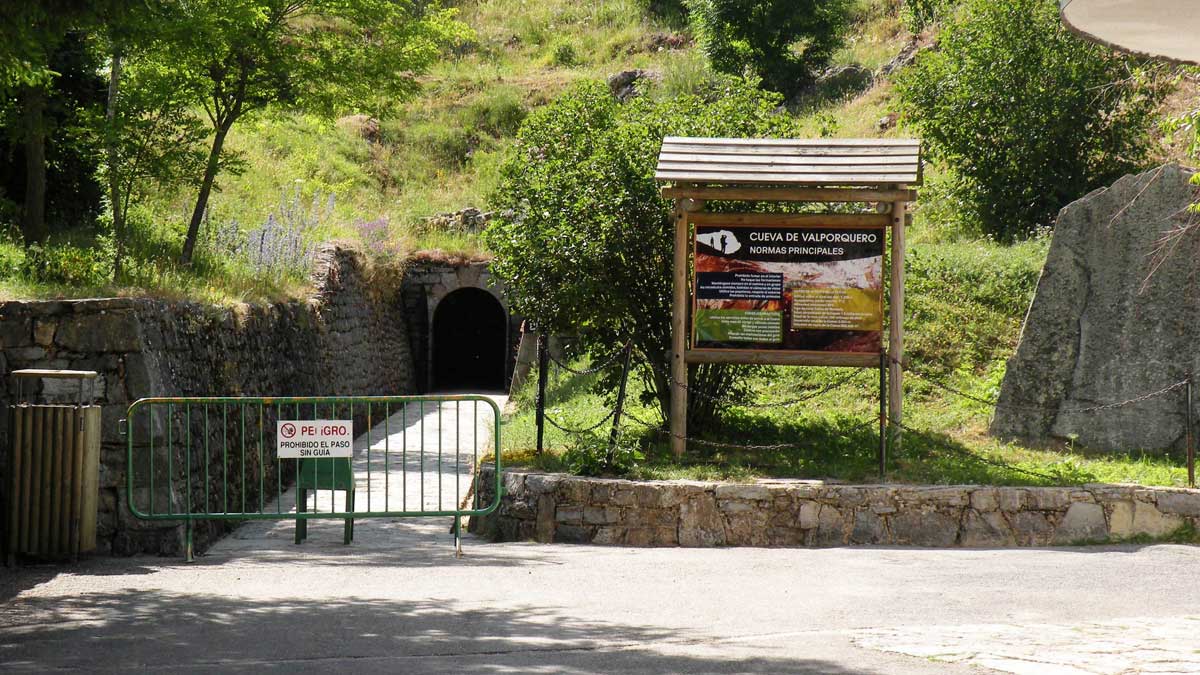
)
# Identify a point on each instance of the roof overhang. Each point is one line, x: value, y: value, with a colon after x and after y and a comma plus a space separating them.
x: 1167, y: 29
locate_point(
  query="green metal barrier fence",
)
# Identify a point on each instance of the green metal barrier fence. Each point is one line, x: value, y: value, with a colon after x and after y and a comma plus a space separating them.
x: 278, y: 458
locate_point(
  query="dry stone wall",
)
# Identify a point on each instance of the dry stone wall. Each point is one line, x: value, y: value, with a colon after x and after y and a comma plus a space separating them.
x: 350, y: 337
x: 563, y: 508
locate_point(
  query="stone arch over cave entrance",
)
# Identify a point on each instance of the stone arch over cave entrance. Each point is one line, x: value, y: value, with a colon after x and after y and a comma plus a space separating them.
x: 470, y: 341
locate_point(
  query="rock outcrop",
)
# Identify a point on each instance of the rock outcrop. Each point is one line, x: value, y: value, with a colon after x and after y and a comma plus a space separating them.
x: 1116, y: 317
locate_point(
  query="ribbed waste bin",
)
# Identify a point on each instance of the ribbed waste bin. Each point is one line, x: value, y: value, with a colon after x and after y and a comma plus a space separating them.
x: 54, y: 466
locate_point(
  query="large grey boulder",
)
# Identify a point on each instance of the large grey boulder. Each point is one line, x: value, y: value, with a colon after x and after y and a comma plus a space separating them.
x: 1112, y: 321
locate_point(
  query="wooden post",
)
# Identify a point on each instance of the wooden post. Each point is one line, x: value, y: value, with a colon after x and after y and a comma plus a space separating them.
x: 679, y: 314
x: 896, y: 324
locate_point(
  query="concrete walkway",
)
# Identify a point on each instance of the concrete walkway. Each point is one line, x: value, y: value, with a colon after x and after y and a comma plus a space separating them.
x: 398, y: 601
x: 420, y: 458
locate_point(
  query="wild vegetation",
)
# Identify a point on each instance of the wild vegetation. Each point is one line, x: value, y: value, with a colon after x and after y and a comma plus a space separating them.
x: 333, y: 144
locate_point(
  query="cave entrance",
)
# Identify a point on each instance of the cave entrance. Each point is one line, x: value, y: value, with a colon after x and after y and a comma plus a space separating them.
x: 470, y: 332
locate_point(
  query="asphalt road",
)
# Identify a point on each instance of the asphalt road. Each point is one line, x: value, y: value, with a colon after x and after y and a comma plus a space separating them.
x: 399, y: 601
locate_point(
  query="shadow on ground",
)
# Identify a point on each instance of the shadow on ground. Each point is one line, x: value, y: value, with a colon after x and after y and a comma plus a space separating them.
x: 157, y: 630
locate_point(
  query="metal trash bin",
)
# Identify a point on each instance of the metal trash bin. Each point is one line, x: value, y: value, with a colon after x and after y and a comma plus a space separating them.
x: 54, y: 470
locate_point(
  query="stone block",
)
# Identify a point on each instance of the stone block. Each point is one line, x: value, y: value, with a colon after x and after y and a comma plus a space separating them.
x: 985, y: 529
x: 743, y: 492
x: 1011, y: 500
x: 924, y: 528
x: 730, y: 506
x: 574, y: 534
x: 1031, y: 528
x: 1130, y: 519
x: 985, y: 499
x: 699, y: 522
x: 1180, y: 503
x: 831, y: 527
x: 546, y: 525
x: 946, y: 496
x: 597, y: 515
x: 43, y: 332
x: 1083, y: 522
x: 809, y: 515
x: 575, y: 490
x: 1049, y: 498
x: 869, y: 528
x: 541, y: 483
x: 747, y: 528
x: 15, y: 331
x: 609, y: 536
x: 107, y: 331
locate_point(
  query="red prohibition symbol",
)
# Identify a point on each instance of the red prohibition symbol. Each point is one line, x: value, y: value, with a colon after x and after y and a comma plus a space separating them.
x: 288, y: 430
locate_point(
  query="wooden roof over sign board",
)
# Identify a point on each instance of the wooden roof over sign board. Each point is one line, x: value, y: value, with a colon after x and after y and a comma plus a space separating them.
x: 865, y: 162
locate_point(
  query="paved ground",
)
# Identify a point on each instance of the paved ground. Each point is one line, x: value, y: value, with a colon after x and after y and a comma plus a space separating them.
x: 399, y: 601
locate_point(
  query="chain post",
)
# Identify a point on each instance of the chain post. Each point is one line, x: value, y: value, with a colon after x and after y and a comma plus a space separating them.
x: 616, y: 427
x: 883, y: 392
x: 543, y: 359
x: 1191, y: 447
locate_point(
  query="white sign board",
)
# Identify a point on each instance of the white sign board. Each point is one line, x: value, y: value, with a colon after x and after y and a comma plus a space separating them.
x: 301, y: 439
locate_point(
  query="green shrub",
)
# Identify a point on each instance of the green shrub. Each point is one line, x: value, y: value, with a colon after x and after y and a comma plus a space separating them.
x: 918, y: 14
x: 1026, y: 115
x: 499, y: 112
x: 785, y: 42
x: 68, y: 264
x: 564, y: 55
x: 589, y: 456
x: 448, y: 145
x: 583, y: 241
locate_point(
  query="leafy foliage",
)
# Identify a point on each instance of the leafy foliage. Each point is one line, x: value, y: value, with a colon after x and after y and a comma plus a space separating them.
x: 919, y: 14
x: 243, y: 57
x: 1027, y: 115
x: 584, y: 239
x: 784, y: 41
x: 589, y: 456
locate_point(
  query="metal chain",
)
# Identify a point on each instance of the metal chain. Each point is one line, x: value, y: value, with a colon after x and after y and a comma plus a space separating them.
x: 594, y: 369
x: 986, y: 460
x: 1012, y: 406
x: 836, y: 384
x: 736, y: 446
x: 568, y: 430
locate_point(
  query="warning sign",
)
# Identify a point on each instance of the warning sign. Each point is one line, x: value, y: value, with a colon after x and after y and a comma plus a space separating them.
x: 299, y: 439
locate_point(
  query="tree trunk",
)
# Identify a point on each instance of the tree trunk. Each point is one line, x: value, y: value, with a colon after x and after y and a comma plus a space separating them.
x: 33, y: 215
x: 114, y: 178
x: 210, y: 173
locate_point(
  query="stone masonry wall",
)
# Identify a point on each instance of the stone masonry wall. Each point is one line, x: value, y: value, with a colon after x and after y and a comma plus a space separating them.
x: 562, y: 508
x: 348, y: 338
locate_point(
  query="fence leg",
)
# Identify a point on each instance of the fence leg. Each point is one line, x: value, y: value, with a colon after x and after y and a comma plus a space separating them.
x: 883, y: 394
x: 188, y: 551
x: 457, y: 536
x: 616, y: 427
x: 543, y: 358
x: 1191, y: 447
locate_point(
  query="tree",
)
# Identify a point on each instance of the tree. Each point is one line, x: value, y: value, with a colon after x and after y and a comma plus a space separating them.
x: 238, y: 58
x: 784, y: 41
x: 1026, y: 115
x: 584, y: 239
x: 151, y: 135
x: 31, y: 35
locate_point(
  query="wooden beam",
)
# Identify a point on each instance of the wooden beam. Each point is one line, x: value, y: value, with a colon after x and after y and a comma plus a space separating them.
x: 786, y: 194
x: 794, y: 219
x: 782, y: 358
x: 896, y: 325
x: 679, y: 321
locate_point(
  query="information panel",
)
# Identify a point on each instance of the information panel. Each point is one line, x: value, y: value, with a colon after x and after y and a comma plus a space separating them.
x: 299, y: 439
x: 802, y: 288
